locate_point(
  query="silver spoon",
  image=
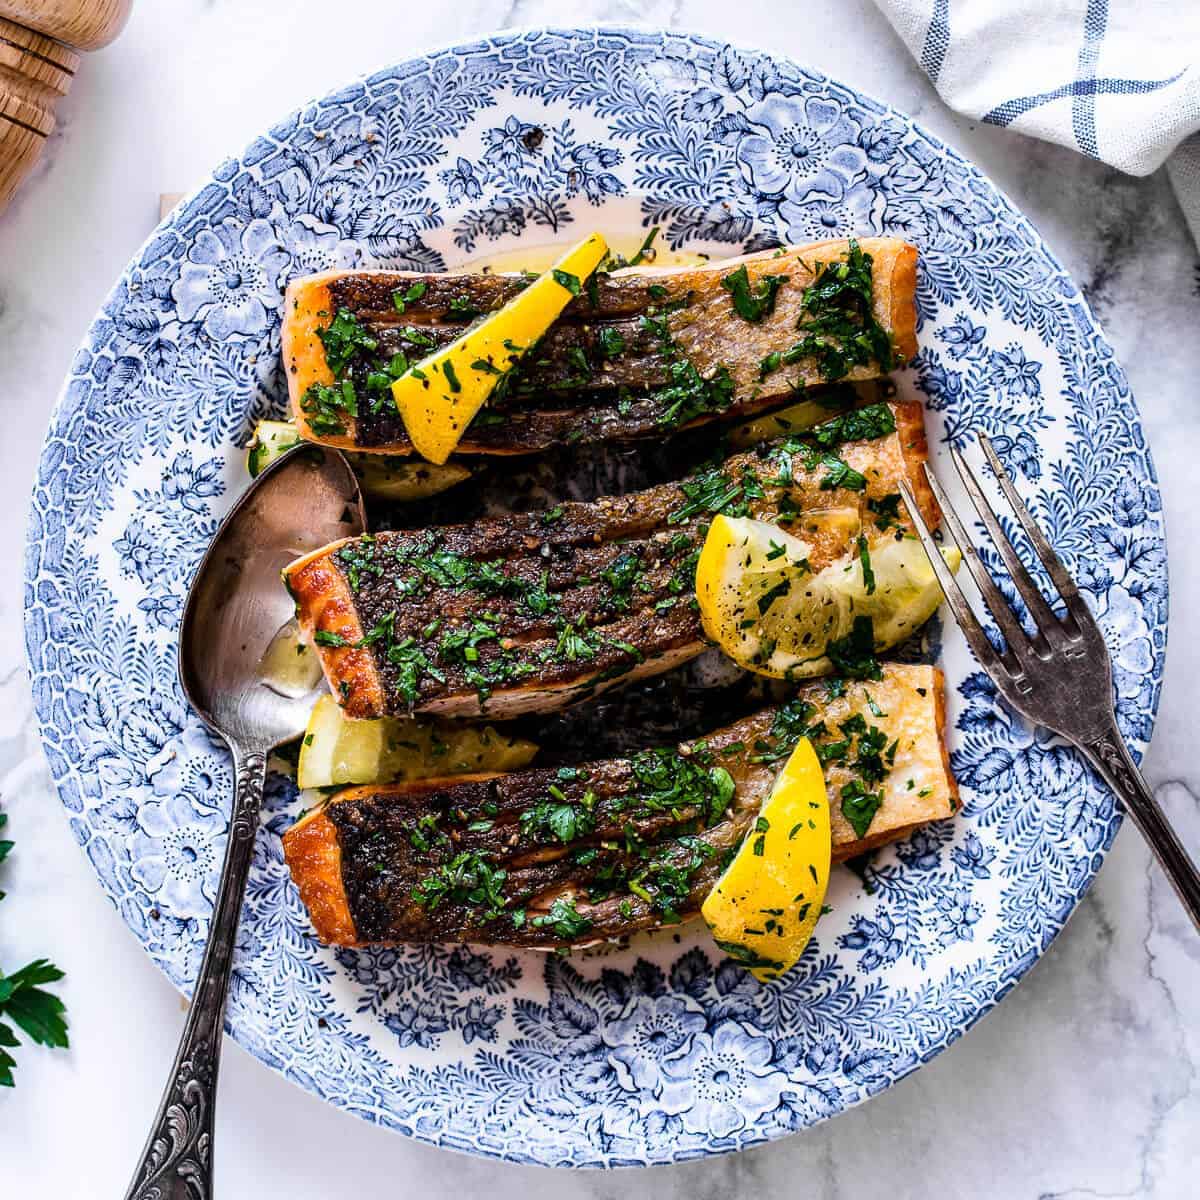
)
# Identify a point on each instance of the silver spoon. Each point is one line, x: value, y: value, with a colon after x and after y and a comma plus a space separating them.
x: 235, y: 607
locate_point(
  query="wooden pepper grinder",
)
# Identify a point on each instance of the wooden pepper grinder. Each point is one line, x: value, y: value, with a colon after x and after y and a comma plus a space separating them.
x: 38, y: 60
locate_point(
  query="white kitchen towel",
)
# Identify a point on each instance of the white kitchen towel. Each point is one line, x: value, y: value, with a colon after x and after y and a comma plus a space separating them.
x: 1118, y: 80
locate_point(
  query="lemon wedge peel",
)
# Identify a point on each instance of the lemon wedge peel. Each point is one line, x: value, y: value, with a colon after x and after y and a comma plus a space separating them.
x: 338, y: 751
x: 763, y: 909
x: 439, y: 396
x: 768, y: 612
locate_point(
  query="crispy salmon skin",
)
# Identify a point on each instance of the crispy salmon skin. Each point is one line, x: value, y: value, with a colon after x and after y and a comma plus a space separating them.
x: 533, y: 612
x: 639, y: 352
x: 559, y: 857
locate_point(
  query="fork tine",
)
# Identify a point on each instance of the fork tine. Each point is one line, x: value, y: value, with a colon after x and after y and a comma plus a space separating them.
x: 968, y: 622
x: 1043, y: 615
x: 1010, y: 625
x: 1063, y: 583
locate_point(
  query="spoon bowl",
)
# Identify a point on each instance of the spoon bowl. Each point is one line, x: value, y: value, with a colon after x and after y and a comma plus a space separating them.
x: 237, y: 603
x: 235, y: 608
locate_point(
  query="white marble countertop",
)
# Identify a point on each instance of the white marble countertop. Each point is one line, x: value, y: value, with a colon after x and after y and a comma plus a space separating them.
x: 1083, y: 1083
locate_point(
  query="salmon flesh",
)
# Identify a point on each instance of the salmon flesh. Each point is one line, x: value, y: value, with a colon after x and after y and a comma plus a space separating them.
x: 547, y: 858
x: 639, y: 352
x: 536, y: 611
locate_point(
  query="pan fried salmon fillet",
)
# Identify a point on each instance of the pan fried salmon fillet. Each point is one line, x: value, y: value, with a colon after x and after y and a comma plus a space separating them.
x: 533, y: 612
x: 546, y: 858
x: 639, y: 352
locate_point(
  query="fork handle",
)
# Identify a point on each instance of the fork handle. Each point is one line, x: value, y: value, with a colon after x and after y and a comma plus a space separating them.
x: 177, y: 1161
x: 1111, y: 758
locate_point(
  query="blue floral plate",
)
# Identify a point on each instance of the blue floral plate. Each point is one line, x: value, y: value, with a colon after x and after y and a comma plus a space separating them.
x: 661, y: 1051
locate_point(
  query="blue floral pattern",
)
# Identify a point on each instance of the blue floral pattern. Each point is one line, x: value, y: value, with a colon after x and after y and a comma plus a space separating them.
x: 663, y: 1050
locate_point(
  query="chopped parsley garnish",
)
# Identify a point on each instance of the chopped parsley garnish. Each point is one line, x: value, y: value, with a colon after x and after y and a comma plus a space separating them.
x: 665, y: 780
x: 683, y: 578
x: 413, y: 665
x: 426, y: 834
x: 791, y: 722
x: 777, y: 592
x: 414, y: 337
x: 577, y: 359
x: 761, y: 828
x: 643, y: 250
x: 344, y: 338
x: 575, y: 642
x: 622, y: 575
x: 816, y: 447
x: 750, y: 957
x: 838, y: 323
x: 752, y: 304
x: 859, y: 806
x: 840, y: 474
x: 558, y: 817
x: 461, y: 306
x: 563, y: 918
x: 858, y: 425
x: 537, y: 597
x: 401, y: 299
x: 886, y: 510
x: 326, y: 405
x: 864, y: 557
x: 610, y: 341
x: 666, y: 881
x: 614, y: 262
x: 854, y: 655
x: 460, y: 645
x: 467, y: 879
x: 689, y: 395
x: 567, y: 280
x: 715, y: 492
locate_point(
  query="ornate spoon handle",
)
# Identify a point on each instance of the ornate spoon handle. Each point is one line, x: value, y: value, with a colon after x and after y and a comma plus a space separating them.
x: 177, y: 1161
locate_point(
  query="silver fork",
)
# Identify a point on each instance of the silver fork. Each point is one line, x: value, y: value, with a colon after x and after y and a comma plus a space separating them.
x: 1061, y: 677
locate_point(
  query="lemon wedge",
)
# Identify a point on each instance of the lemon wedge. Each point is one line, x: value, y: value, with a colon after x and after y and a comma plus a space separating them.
x: 271, y: 440
x: 805, y: 414
x: 383, y: 476
x: 763, y: 908
x: 769, y: 612
x: 795, y: 418
x: 439, y: 396
x: 337, y: 750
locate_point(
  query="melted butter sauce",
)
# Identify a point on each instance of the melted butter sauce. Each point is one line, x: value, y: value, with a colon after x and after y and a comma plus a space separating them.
x: 289, y: 667
x: 541, y: 257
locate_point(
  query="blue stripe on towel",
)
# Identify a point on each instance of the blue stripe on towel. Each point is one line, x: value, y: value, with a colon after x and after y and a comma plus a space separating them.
x: 1083, y: 107
x: 1010, y: 110
x: 937, y: 40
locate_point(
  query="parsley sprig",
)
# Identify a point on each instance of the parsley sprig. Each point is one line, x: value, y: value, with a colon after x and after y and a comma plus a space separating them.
x: 25, y: 1004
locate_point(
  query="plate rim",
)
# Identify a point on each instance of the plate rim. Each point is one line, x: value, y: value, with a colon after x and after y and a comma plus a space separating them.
x: 459, y: 48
